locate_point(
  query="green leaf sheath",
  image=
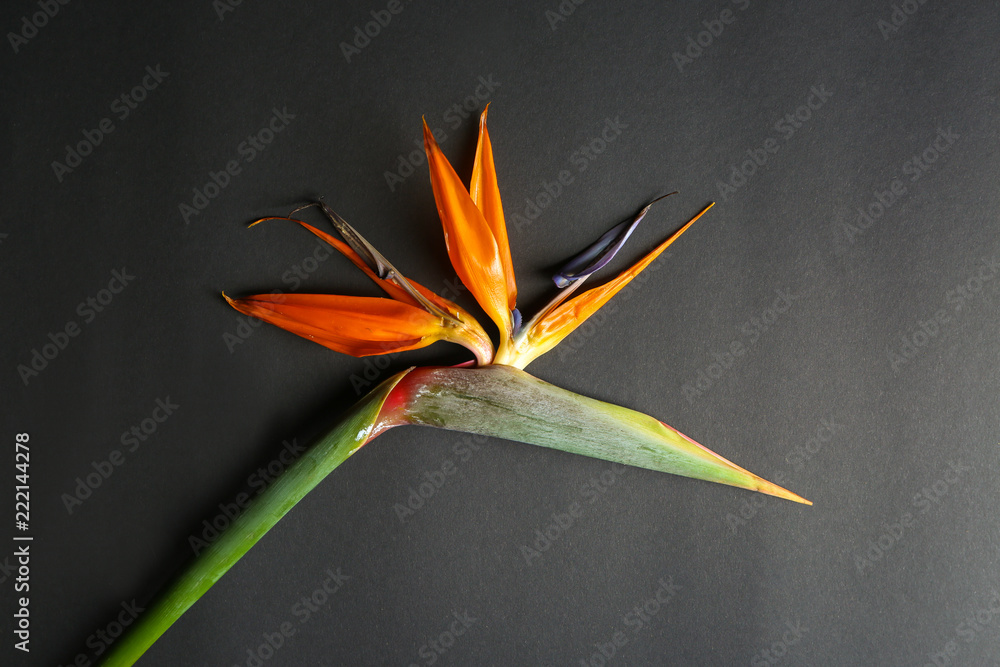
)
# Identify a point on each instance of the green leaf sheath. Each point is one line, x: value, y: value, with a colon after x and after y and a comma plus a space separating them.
x: 350, y: 433
x: 505, y: 402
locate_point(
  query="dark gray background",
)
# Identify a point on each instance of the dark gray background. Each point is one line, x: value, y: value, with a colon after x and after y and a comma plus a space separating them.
x: 751, y: 574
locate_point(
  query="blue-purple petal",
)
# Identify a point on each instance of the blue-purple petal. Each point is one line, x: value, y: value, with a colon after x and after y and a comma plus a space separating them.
x: 515, y: 315
x: 602, y: 251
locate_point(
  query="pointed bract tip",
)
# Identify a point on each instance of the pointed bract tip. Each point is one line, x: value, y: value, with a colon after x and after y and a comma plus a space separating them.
x: 430, y: 141
x: 673, y: 237
x: 772, y: 489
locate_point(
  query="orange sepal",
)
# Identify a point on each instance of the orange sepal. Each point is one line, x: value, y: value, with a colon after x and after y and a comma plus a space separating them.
x: 566, y: 317
x: 391, y: 288
x: 471, y: 246
x: 486, y: 194
x: 357, y: 325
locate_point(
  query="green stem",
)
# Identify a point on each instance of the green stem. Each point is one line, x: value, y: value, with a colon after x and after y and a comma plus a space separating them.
x: 357, y: 427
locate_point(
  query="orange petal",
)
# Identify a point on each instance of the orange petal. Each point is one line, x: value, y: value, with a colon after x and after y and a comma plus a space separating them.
x: 471, y: 246
x: 477, y: 339
x: 470, y: 334
x: 355, y: 325
x: 392, y: 289
x: 559, y: 323
x: 486, y: 195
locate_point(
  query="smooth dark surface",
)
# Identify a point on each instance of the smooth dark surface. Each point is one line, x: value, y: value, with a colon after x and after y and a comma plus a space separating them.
x: 899, y: 453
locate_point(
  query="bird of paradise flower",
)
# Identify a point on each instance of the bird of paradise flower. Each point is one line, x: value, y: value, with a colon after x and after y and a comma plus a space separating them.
x: 490, y: 396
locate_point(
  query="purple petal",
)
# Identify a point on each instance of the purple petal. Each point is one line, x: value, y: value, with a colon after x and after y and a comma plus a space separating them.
x: 602, y: 251
x: 516, y: 317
